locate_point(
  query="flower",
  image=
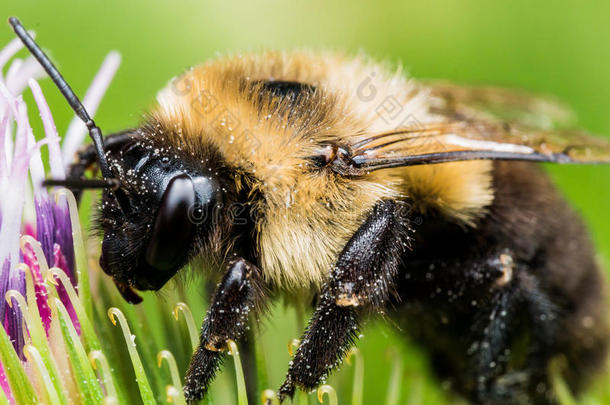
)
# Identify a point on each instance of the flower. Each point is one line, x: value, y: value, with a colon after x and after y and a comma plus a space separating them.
x: 51, y: 228
x: 29, y: 244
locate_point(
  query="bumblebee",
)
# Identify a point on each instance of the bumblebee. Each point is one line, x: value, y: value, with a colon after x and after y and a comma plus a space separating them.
x: 332, y: 178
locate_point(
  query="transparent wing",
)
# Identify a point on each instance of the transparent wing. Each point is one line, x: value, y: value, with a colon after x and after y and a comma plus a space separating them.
x: 483, y: 123
x: 455, y: 141
x: 501, y: 104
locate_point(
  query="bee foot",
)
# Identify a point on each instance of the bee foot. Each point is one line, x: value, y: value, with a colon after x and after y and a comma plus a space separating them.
x: 286, y: 390
x: 203, y: 367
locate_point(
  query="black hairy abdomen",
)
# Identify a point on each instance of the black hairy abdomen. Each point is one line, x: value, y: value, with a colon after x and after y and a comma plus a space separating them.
x: 446, y: 284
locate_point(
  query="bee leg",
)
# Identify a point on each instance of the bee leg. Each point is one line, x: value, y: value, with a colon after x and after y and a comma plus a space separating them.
x: 494, y: 384
x: 240, y: 291
x: 362, y: 280
x: 542, y: 316
x: 331, y: 332
x: 87, y: 157
x: 491, y: 348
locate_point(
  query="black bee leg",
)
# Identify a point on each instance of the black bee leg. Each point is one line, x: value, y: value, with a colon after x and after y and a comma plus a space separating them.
x: 495, y: 385
x: 86, y: 157
x: 240, y: 291
x: 491, y: 349
x: 362, y: 279
x: 541, y: 315
x: 331, y: 332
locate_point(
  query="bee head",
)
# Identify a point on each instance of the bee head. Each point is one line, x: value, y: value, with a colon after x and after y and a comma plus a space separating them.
x: 167, y: 215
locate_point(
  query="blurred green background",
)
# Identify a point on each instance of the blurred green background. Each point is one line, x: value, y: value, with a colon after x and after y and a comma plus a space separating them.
x: 556, y: 47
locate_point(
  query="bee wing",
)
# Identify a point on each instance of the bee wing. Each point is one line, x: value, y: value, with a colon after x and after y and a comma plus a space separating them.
x: 500, y: 104
x: 475, y: 140
x: 482, y: 123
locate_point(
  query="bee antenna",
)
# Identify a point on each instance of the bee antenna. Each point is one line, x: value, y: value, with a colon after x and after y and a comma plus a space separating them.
x: 94, y: 132
x: 83, y: 184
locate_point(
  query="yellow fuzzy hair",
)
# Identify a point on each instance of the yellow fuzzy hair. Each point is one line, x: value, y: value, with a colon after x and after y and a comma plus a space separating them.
x: 307, y: 217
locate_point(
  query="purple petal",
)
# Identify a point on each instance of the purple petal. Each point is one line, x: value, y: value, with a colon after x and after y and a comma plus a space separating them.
x: 12, y: 210
x: 55, y: 159
x: 40, y: 289
x: 11, y: 49
x: 60, y: 261
x: 17, y: 78
x: 63, y: 238
x: 4, y: 281
x: 53, y: 227
x: 36, y: 165
x: 13, y: 318
x: 45, y: 225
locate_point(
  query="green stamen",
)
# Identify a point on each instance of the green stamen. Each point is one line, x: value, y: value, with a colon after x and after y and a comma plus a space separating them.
x: 96, y: 357
x: 16, y: 295
x: 85, y: 377
x: 21, y: 387
x: 36, y: 331
x: 190, y: 322
x: 242, y: 397
x: 262, y: 370
x: 32, y: 355
x: 91, y: 340
x: 358, y: 375
x: 330, y: 392
x: 173, y: 371
x: 145, y: 389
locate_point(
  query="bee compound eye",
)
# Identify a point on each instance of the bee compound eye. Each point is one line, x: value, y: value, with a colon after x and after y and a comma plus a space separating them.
x: 173, y: 229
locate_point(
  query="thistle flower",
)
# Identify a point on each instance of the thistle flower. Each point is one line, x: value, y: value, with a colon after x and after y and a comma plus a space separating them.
x: 30, y: 246
x: 51, y: 228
